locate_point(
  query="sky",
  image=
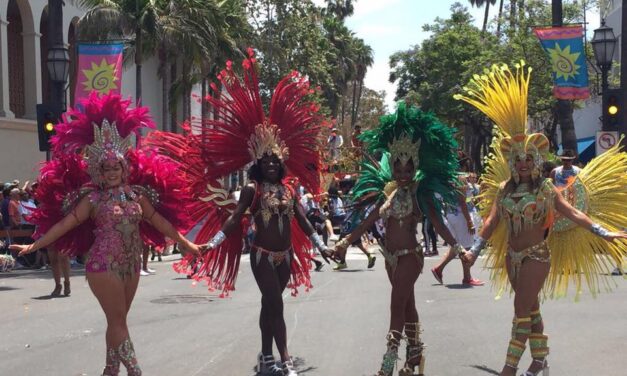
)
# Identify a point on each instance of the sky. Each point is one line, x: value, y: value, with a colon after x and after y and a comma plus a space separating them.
x: 389, y: 26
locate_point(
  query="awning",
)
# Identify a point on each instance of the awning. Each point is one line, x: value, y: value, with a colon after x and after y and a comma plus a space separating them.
x: 585, y: 149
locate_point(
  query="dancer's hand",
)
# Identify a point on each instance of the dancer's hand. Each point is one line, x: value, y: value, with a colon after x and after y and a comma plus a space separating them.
x: 327, y: 254
x: 189, y: 247
x: 610, y: 237
x: 471, y: 228
x: 22, y: 249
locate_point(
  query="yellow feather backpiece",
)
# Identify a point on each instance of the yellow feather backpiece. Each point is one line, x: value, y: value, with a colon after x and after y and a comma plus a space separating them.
x: 578, y: 255
x: 496, y: 172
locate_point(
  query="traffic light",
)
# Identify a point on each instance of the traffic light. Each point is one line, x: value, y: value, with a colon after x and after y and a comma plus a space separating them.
x: 613, y: 109
x: 47, y: 119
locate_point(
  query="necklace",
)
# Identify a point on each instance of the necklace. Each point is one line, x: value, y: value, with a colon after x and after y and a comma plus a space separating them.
x: 521, y: 190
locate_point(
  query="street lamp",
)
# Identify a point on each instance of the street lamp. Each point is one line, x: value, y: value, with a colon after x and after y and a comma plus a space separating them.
x: 603, y: 45
x: 59, y: 69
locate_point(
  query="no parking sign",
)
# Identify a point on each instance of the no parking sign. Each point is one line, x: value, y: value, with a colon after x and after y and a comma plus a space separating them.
x: 605, y: 140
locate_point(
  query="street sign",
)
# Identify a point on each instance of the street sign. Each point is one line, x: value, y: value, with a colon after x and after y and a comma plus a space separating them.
x: 605, y: 140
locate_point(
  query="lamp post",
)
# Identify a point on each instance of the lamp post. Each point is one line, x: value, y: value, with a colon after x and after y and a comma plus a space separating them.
x: 58, y: 59
x: 58, y: 64
x: 603, y: 45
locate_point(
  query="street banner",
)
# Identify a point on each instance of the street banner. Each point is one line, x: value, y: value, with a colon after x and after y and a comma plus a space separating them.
x: 605, y: 140
x: 99, y: 69
x: 564, y: 45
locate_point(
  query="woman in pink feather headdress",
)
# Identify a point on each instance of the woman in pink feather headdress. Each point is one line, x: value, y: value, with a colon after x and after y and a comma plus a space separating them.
x: 119, y: 200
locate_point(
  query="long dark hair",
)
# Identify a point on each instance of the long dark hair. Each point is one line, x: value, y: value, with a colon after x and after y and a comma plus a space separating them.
x: 254, y: 172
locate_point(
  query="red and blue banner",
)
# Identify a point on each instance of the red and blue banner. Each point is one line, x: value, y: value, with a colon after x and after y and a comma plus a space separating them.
x: 99, y: 69
x: 564, y: 45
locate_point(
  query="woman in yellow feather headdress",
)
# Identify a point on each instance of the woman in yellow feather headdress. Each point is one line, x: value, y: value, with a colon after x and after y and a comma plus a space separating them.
x: 529, y: 224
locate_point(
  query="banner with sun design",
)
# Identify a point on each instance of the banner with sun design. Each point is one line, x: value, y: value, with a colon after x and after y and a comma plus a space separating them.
x: 564, y: 45
x: 99, y: 69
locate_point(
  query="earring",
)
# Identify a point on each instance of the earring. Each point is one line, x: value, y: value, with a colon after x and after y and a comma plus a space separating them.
x: 516, y: 177
x: 535, y: 173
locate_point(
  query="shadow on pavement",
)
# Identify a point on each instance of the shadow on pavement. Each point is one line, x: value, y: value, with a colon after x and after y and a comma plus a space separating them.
x: 299, y: 363
x: 8, y: 288
x: 48, y: 297
x: 458, y: 286
x: 485, y: 369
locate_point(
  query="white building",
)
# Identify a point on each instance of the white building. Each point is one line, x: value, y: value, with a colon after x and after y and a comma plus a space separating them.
x: 24, y: 82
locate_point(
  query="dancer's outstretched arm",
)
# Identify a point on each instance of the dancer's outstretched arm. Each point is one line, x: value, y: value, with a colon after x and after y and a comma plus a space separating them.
x: 245, y: 201
x: 77, y: 216
x: 581, y: 219
x: 165, y: 227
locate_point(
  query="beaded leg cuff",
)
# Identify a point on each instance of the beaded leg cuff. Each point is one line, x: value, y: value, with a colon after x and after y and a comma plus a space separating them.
x: 391, y: 355
x: 538, y: 344
x: 515, y: 351
x: 112, y: 368
x: 127, y: 356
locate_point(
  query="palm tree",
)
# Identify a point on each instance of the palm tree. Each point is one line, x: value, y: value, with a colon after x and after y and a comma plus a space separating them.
x: 342, y: 58
x: 340, y: 9
x: 184, y: 28
x: 479, y: 4
x: 363, y: 60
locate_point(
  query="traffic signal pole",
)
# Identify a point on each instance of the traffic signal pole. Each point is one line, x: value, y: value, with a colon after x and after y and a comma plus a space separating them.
x: 623, y: 67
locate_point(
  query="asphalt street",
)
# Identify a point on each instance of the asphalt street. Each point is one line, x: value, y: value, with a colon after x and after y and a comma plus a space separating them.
x: 338, y: 328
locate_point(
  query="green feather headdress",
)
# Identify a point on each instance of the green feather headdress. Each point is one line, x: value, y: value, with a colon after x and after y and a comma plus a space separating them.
x: 436, y: 164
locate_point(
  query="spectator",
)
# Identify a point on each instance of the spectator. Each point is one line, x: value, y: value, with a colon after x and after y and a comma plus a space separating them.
x: 335, y: 142
x: 4, y: 207
x: 15, y: 217
x: 561, y: 175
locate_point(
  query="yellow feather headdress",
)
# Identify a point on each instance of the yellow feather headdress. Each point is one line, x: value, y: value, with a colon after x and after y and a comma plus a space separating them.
x: 502, y: 95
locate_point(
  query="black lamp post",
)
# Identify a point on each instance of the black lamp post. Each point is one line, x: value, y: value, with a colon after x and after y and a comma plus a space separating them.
x: 603, y: 44
x: 58, y: 64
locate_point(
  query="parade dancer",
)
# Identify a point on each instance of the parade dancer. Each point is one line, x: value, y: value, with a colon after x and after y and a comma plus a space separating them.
x: 418, y: 160
x: 281, y: 146
x: 537, y: 238
x: 126, y: 203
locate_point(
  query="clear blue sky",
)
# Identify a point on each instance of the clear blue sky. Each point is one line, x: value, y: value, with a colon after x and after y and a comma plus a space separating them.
x: 394, y: 25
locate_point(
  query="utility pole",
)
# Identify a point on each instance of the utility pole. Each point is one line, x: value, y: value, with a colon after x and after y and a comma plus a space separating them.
x: 622, y: 127
x: 564, y: 108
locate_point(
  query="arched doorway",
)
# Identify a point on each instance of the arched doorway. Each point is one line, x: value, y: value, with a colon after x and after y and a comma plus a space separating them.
x: 43, y: 49
x: 15, y: 44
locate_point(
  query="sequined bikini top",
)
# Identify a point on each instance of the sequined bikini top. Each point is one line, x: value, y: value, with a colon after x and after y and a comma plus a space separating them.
x: 400, y: 204
x: 524, y: 209
x: 275, y: 199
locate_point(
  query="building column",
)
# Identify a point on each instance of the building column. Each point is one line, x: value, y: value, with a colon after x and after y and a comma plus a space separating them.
x: 5, y: 110
x: 32, y: 74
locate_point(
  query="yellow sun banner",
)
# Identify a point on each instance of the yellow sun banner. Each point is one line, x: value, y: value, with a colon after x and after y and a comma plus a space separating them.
x: 564, y: 46
x: 99, y: 69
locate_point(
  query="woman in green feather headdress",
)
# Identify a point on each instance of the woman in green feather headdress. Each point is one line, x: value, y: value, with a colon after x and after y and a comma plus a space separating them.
x: 418, y: 160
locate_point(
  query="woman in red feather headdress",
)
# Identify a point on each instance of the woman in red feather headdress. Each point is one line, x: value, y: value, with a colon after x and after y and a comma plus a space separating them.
x: 280, y: 145
x: 108, y: 204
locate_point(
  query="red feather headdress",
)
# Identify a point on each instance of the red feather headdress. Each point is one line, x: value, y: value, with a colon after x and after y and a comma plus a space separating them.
x: 241, y: 132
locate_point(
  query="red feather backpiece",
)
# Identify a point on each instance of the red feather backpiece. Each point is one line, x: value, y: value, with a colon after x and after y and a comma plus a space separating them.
x: 217, y: 147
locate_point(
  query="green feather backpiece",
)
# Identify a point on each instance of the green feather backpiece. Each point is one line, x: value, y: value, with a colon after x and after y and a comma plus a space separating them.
x: 437, y: 168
